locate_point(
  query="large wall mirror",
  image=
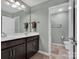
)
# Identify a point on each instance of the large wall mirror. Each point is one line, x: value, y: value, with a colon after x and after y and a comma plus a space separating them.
x: 14, y: 16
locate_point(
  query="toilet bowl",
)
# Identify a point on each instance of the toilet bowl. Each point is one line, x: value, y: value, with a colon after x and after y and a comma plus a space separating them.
x: 68, y: 44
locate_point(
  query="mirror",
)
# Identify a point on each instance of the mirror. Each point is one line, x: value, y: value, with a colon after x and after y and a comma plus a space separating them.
x: 15, y: 17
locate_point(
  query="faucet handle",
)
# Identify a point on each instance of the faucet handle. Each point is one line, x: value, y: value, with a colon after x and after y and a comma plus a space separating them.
x: 3, y: 34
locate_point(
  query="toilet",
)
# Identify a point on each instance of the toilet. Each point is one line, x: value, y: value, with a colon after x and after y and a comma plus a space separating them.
x: 69, y: 46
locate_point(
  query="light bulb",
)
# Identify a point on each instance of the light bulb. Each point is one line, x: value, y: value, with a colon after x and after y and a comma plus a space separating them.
x: 22, y: 6
x: 17, y: 3
x: 14, y: 6
x: 12, y: 1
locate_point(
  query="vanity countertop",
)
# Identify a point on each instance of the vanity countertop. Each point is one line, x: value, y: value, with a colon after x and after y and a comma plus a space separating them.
x: 18, y: 35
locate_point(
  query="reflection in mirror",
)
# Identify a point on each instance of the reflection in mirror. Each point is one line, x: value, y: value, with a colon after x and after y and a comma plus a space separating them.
x: 14, y: 15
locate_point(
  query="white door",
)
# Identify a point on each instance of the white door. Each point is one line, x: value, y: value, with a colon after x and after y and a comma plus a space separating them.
x: 72, y: 30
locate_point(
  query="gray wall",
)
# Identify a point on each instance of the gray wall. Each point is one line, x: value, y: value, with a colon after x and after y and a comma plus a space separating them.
x: 40, y: 13
x: 3, y: 13
x: 56, y: 31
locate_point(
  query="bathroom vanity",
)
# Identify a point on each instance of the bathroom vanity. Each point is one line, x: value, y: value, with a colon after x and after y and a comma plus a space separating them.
x: 20, y: 48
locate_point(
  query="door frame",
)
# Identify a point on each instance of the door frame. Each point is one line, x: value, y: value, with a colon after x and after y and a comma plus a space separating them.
x: 74, y: 28
x: 49, y: 27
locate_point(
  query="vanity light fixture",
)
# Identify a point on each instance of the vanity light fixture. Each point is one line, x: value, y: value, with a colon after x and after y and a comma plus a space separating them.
x: 15, y: 4
x: 11, y: 1
x: 22, y: 6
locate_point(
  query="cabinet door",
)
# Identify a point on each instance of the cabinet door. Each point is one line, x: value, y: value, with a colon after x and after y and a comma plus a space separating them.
x: 5, y: 54
x: 19, y: 52
x: 35, y: 44
x: 32, y: 46
x: 29, y: 49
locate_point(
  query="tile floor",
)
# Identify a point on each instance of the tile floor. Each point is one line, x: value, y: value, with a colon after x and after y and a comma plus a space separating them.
x: 59, y: 52
x: 39, y: 56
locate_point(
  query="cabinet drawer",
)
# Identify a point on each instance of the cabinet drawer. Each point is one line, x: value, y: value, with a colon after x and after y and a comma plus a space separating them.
x: 32, y: 38
x: 29, y: 39
x: 11, y: 43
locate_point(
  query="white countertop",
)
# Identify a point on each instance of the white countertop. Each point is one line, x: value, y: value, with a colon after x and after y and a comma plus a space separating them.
x: 18, y: 35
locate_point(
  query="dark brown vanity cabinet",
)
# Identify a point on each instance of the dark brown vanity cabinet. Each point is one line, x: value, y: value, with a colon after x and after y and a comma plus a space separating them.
x: 22, y: 48
x: 16, y: 52
x: 15, y: 49
x: 5, y: 54
x: 19, y: 52
x: 32, y: 46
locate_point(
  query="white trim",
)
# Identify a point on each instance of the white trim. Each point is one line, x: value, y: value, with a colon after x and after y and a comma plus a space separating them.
x: 49, y: 34
x: 59, y: 5
x: 44, y: 53
x: 49, y: 27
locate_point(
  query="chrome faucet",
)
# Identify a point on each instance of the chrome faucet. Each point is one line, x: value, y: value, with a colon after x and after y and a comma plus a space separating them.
x: 3, y: 34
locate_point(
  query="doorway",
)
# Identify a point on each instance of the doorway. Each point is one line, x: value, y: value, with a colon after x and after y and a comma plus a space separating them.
x: 61, y: 31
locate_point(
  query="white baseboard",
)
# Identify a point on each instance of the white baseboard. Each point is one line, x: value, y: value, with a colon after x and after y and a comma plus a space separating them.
x: 42, y: 52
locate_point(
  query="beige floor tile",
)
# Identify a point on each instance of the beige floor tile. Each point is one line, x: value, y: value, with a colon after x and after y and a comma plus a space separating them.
x: 59, y: 52
x: 39, y: 56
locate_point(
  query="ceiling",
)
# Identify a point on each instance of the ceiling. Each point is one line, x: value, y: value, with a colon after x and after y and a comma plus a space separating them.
x: 9, y: 9
x: 33, y: 2
x: 6, y: 8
